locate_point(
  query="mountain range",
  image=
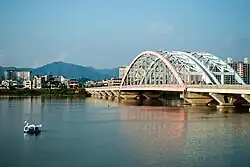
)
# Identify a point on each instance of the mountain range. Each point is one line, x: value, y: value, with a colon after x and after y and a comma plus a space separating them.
x: 69, y: 70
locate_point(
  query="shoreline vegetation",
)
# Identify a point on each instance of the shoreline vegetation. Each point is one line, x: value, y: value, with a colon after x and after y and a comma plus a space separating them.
x: 81, y: 92
x: 66, y: 92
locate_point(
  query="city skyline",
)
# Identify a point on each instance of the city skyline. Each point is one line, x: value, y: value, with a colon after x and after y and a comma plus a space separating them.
x: 111, y: 33
x: 228, y: 60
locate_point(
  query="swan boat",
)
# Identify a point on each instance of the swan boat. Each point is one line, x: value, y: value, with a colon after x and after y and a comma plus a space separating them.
x: 32, y: 128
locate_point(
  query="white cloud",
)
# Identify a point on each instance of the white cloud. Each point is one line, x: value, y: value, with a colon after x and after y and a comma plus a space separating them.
x: 162, y: 29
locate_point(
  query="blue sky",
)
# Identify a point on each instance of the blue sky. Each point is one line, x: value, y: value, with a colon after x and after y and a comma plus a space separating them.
x: 110, y: 33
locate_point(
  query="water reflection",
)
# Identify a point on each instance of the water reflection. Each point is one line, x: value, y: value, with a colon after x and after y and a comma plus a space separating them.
x: 156, y: 129
x: 122, y: 133
x: 115, y: 102
x: 32, y: 137
x: 185, y: 132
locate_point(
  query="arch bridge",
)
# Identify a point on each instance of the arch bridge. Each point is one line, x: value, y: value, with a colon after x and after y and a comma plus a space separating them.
x: 153, y: 72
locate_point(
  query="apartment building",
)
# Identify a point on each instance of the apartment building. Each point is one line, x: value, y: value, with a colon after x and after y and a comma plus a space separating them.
x: 242, y: 68
x: 17, y: 74
x: 122, y: 71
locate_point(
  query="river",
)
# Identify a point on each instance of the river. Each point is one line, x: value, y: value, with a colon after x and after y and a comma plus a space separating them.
x: 98, y: 133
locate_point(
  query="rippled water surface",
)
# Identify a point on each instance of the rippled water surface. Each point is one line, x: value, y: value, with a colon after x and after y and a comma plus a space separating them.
x: 94, y: 132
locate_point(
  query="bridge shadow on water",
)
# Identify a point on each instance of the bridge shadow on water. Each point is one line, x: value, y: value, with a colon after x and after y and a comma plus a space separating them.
x: 151, y: 102
x: 181, y: 104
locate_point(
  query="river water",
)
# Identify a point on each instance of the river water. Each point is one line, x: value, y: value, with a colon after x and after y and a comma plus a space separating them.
x: 95, y: 132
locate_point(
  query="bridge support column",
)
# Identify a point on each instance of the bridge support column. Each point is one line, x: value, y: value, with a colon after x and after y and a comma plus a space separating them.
x: 129, y: 95
x: 246, y: 97
x: 196, y: 99
x: 98, y: 94
x: 116, y: 93
x: 101, y: 94
x: 152, y: 95
x: 224, y: 100
x: 94, y: 93
x: 104, y: 94
x: 110, y: 94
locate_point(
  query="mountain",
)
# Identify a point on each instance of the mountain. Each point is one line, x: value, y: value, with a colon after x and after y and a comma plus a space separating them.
x: 75, y: 71
x: 113, y: 72
x: 69, y: 70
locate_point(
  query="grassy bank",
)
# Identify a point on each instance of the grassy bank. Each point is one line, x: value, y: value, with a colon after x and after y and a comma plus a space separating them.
x: 44, y: 92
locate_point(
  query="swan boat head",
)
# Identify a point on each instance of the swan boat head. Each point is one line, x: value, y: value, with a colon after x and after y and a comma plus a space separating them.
x: 28, y: 126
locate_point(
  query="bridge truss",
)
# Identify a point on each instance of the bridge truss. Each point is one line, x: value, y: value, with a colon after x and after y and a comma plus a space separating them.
x: 163, y: 67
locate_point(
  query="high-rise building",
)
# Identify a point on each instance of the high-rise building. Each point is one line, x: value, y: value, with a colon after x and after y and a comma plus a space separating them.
x: 243, y: 69
x: 245, y: 59
x: 17, y: 74
x: 229, y: 60
x: 122, y: 71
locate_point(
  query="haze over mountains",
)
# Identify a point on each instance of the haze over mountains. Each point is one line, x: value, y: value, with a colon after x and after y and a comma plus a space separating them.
x: 71, y: 71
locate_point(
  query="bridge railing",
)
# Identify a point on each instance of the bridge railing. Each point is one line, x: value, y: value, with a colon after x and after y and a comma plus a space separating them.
x: 103, y: 88
x: 166, y: 86
x: 154, y: 85
x: 139, y: 86
x: 220, y: 86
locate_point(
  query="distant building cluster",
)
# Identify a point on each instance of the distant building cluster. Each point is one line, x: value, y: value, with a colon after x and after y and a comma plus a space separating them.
x: 109, y: 82
x: 242, y: 68
x: 17, y: 74
x: 22, y: 79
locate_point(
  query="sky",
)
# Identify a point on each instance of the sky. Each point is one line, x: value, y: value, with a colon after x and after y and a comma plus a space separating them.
x: 110, y: 33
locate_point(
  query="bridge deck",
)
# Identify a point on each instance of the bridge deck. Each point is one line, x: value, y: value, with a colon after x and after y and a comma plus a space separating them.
x: 227, y: 89
x: 167, y: 87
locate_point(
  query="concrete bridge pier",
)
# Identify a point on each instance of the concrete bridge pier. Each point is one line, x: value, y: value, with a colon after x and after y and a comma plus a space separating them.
x: 152, y: 95
x: 129, y: 95
x: 116, y: 94
x: 104, y: 95
x: 93, y: 93
x: 224, y: 100
x: 246, y: 97
x: 98, y: 94
x: 196, y: 99
x: 110, y: 94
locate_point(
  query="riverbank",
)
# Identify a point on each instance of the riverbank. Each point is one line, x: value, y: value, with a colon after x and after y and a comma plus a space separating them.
x: 44, y: 92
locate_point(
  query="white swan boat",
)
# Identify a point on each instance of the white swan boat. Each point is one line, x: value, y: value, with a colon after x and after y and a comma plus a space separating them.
x: 32, y: 128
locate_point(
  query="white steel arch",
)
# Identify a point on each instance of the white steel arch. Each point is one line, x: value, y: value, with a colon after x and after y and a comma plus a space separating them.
x: 176, y: 67
x: 220, y: 69
x: 147, y: 59
x: 189, y: 68
x: 206, y: 72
